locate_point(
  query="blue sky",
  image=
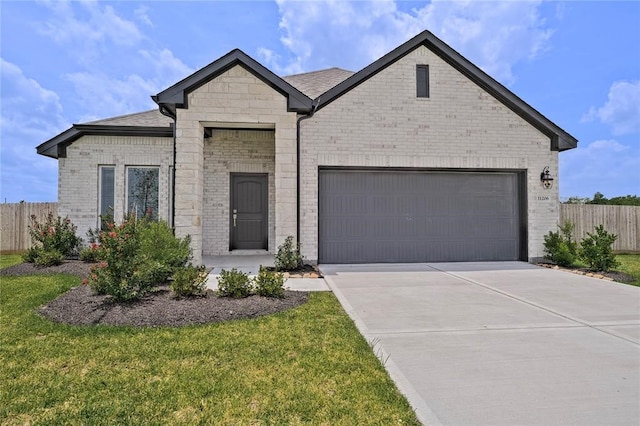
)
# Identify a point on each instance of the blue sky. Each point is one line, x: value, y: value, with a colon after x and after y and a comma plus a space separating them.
x: 64, y: 62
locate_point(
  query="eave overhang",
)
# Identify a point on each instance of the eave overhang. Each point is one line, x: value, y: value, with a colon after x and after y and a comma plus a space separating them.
x: 56, y: 147
x: 560, y: 139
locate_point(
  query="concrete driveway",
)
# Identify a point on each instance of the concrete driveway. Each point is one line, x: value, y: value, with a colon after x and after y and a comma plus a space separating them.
x: 501, y: 343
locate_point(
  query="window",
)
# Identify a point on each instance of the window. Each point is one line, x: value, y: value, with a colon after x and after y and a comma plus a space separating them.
x: 142, y: 191
x: 422, y: 80
x: 106, y: 191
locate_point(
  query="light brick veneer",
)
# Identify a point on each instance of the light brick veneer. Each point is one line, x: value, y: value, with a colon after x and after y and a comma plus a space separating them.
x: 78, y: 174
x: 381, y: 123
x: 233, y: 99
x: 226, y: 152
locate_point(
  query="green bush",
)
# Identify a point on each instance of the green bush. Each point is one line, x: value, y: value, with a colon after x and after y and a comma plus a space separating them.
x: 269, y: 284
x: 190, y: 281
x: 135, y: 257
x: 55, y: 234
x: 48, y: 258
x: 159, y: 245
x: 234, y: 283
x: 31, y: 254
x: 288, y: 257
x: 596, y: 250
x: 91, y: 254
x: 559, y: 247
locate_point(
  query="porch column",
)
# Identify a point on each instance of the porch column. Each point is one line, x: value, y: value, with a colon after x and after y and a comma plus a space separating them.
x: 285, y: 177
x: 189, y: 183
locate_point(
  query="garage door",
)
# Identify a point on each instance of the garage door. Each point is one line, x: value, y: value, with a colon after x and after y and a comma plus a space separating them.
x: 368, y: 216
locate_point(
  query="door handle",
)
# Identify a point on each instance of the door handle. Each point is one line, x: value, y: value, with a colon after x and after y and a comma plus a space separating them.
x: 235, y: 217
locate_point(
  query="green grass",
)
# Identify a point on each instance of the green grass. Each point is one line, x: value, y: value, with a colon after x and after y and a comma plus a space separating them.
x: 630, y: 263
x: 7, y: 260
x: 307, y: 365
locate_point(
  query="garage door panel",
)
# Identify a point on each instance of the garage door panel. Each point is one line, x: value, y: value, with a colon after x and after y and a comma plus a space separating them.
x: 396, y: 216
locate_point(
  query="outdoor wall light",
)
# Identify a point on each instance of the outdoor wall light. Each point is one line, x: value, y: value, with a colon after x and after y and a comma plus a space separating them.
x: 546, y: 179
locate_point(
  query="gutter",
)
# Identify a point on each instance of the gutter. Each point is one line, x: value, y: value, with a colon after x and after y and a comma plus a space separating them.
x: 302, y: 117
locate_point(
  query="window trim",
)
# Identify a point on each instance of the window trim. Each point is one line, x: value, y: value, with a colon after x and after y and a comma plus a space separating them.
x: 101, y: 169
x: 126, y: 187
x: 422, y: 91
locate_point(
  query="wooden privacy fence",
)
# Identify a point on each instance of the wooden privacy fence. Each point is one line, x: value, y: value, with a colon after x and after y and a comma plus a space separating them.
x: 14, y: 220
x: 624, y: 221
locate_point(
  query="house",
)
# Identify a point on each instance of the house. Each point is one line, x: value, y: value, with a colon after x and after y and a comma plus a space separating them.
x: 420, y: 156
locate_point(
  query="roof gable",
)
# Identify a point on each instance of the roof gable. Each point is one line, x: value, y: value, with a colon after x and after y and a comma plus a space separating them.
x: 176, y: 95
x: 560, y: 140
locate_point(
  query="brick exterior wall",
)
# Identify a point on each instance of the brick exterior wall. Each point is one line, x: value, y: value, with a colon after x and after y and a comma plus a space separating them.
x: 381, y: 123
x: 235, y: 98
x: 226, y: 152
x: 78, y: 174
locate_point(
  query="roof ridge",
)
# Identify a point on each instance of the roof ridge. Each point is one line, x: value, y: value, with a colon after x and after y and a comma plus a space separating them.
x: 316, y: 71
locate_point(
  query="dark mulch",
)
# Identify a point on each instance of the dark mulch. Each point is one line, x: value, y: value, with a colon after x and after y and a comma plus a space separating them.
x: 81, y: 306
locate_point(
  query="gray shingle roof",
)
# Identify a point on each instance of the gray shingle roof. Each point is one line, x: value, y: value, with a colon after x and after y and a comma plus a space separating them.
x: 315, y: 83
x: 151, y: 118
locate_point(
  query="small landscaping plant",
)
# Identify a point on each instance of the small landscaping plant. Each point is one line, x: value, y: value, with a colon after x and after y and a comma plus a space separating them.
x: 559, y: 246
x: 48, y: 258
x: 234, y: 283
x: 190, y: 281
x: 91, y: 254
x: 596, y: 250
x: 269, y: 283
x: 288, y: 257
x: 53, y: 239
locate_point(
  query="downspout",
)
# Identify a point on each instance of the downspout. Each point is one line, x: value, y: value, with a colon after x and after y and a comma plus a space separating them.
x: 302, y: 117
x: 165, y: 111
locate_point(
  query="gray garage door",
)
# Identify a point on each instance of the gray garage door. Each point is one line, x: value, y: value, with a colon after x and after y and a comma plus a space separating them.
x: 368, y: 216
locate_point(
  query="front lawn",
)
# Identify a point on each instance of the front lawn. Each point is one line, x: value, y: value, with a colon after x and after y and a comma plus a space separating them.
x: 630, y: 264
x: 7, y: 260
x: 305, y: 365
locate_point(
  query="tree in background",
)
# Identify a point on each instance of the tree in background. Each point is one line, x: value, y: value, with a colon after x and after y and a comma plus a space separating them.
x: 599, y: 198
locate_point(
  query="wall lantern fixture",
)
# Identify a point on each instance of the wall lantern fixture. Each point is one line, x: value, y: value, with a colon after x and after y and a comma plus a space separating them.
x: 546, y: 179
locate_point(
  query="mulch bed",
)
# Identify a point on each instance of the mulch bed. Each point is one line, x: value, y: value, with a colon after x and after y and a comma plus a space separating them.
x: 617, y: 276
x: 81, y: 306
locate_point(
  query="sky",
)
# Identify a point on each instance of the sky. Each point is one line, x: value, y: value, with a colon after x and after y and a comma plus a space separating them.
x: 65, y: 62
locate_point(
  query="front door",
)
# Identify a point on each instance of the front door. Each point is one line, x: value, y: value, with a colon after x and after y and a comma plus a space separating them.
x: 249, y: 211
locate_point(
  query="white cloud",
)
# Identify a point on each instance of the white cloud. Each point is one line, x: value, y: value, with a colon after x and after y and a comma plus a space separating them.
x: 31, y: 114
x: 607, y: 166
x: 142, y: 13
x: 494, y: 35
x: 102, y: 95
x: 86, y: 27
x: 622, y: 110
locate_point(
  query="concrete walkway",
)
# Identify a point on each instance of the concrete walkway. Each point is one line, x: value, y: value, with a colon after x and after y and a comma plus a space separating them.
x: 250, y: 264
x: 500, y: 343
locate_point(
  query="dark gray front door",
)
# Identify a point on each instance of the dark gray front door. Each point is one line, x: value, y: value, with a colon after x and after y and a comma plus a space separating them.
x: 249, y: 222
x: 369, y: 216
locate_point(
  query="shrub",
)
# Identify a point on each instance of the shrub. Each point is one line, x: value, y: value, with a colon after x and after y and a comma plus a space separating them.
x: 48, y: 258
x: 54, y: 234
x: 190, y: 281
x: 162, y: 248
x: 31, y: 254
x: 596, y: 250
x: 288, y: 257
x: 559, y: 247
x: 269, y: 284
x: 234, y: 283
x: 136, y: 256
x: 91, y: 254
